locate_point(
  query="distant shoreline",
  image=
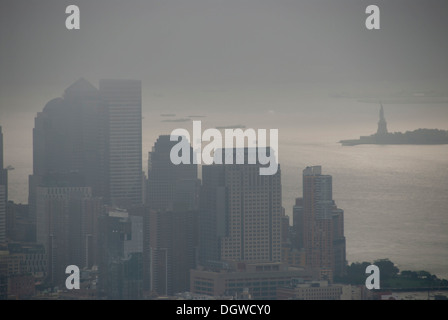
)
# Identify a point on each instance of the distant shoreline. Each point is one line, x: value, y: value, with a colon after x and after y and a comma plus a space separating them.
x: 416, y: 137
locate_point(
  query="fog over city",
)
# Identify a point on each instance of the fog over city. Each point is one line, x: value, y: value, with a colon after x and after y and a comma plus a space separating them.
x: 310, y: 69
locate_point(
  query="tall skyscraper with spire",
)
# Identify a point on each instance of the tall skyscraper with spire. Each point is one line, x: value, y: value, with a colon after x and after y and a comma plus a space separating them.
x: 382, y: 124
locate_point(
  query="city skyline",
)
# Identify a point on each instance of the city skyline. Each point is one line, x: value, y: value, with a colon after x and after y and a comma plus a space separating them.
x: 87, y: 177
x: 72, y: 202
x: 284, y: 204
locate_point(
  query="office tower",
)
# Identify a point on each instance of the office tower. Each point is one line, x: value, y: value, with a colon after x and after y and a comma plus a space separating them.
x: 3, y: 170
x: 120, y: 255
x: 170, y: 232
x: 172, y: 250
x: 123, y: 99
x: 319, y: 225
x: 4, y: 257
x: 169, y: 183
x: 66, y: 226
x: 2, y: 215
x: 297, y: 218
x: 95, y: 134
x: 3, y: 193
x: 69, y: 143
x: 339, y: 244
x: 1, y: 149
x: 240, y: 213
x: 70, y: 137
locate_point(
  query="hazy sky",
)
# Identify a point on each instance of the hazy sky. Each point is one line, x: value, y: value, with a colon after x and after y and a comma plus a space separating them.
x: 223, y: 43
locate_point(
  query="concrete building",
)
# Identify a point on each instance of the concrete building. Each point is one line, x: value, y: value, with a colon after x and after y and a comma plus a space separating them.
x: 313, y: 290
x: 27, y: 258
x: 120, y: 255
x: 21, y: 286
x: 241, y: 213
x: 299, y: 289
x: 4, y: 256
x: 67, y: 228
x: 259, y: 280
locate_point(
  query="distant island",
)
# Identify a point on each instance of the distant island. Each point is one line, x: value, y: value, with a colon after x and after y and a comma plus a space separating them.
x: 382, y: 136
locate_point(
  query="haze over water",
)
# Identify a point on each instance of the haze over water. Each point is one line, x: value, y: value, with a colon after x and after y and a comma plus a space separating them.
x: 394, y: 197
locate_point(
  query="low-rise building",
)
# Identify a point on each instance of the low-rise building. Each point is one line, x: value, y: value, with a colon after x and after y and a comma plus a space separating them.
x: 255, y: 280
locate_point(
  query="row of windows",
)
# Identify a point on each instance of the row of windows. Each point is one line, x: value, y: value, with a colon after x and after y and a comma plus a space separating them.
x: 203, y: 283
x: 203, y: 289
x: 65, y: 191
x: 256, y: 284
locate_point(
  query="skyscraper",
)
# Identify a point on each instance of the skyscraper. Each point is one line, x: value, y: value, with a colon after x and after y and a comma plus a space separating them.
x: 170, y: 232
x: 3, y: 193
x: 120, y: 255
x: 123, y: 99
x: 66, y: 226
x: 70, y: 143
x: 319, y: 225
x: 167, y: 182
x: 3, y: 171
x: 2, y: 214
x: 240, y: 213
x: 89, y: 139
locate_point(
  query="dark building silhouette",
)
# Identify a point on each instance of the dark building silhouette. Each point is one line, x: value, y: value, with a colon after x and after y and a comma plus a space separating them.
x: 170, y: 184
x: 170, y: 224
x: 120, y: 255
x: 96, y: 134
x: 70, y: 143
x: 172, y: 250
x: 319, y: 226
x: 298, y: 222
x: 67, y: 227
x: 3, y: 201
x: 4, y: 257
x: 89, y: 139
x: 3, y: 193
x: 19, y: 226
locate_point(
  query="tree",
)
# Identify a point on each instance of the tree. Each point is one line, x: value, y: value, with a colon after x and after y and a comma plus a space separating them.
x: 409, y: 274
x: 387, y: 268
